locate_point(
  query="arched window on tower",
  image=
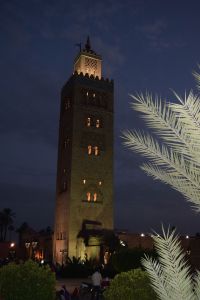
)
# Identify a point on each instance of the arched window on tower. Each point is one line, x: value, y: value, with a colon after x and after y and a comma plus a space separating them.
x: 66, y: 142
x: 89, y: 149
x: 95, y: 197
x: 97, y: 123
x: 88, y: 196
x: 88, y: 122
x: 64, y: 187
x: 96, y: 150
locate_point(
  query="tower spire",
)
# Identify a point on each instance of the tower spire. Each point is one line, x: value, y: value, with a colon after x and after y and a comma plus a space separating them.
x: 88, y: 45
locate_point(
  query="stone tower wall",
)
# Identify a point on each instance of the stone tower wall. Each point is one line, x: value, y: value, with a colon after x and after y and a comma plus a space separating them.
x: 75, y: 165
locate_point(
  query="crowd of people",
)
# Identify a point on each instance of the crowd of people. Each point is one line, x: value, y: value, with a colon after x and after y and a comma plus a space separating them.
x: 93, y: 289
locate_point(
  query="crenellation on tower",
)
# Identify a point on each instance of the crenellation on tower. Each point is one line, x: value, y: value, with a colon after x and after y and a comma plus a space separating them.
x: 81, y: 74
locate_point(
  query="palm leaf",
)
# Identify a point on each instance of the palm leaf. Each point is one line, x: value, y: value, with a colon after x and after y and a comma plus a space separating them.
x: 170, y: 276
x: 180, y: 184
x: 167, y: 123
x: 155, y: 273
x: 162, y: 156
x: 197, y: 286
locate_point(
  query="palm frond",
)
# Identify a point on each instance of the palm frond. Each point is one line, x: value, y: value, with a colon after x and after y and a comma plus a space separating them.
x: 197, y: 286
x: 162, y: 119
x: 176, y: 162
x: 180, y: 184
x: 188, y: 112
x: 197, y: 77
x: 161, y: 156
x: 157, y: 279
x: 172, y: 267
x: 167, y: 124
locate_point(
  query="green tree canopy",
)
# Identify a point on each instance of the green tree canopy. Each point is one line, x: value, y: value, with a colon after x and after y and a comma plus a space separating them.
x: 27, y: 281
x: 131, y: 285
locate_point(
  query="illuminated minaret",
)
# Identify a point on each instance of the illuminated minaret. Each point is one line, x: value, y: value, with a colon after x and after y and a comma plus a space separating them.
x: 84, y: 193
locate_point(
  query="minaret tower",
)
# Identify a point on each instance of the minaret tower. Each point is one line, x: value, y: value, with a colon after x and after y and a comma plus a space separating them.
x: 84, y: 191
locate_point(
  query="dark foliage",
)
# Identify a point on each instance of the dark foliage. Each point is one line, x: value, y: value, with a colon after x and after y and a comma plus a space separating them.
x: 127, y: 259
x: 76, y: 268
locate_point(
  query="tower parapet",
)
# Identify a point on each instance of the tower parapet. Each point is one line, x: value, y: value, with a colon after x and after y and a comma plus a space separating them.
x: 87, y: 75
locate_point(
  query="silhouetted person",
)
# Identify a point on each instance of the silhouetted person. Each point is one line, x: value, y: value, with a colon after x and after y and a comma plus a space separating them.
x: 96, y: 282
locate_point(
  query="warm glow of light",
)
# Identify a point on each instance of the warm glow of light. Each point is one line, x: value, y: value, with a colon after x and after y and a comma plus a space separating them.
x: 88, y: 122
x: 97, y: 123
x: 122, y: 243
x: 142, y: 234
x: 188, y: 252
x: 27, y: 245
x: 87, y: 93
x: 187, y: 237
x: 94, y: 95
x: 88, y: 196
x: 84, y: 181
x: 64, y: 185
x: 100, y: 183
x: 12, y: 245
x: 95, y: 197
x: 34, y: 244
x: 89, y: 149
x: 96, y: 150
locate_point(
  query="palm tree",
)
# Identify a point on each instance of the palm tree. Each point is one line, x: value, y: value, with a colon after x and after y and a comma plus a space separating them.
x: 1, y: 225
x: 11, y: 228
x: 6, y: 220
x: 171, y: 275
x: 174, y: 160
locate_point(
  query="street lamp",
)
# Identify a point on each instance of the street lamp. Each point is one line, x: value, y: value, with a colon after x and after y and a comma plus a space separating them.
x: 30, y: 246
x: 12, y: 251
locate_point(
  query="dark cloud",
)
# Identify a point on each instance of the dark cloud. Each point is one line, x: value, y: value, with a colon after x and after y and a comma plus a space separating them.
x: 156, y: 34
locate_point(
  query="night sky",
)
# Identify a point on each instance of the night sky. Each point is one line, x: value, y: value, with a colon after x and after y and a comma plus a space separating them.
x: 149, y: 45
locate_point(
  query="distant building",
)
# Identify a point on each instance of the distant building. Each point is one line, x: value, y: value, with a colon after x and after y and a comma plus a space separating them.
x: 84, y: 192
x: 34, y: 244
x: 190, y: 245
x: 8, y: 250
x: 135, y: 240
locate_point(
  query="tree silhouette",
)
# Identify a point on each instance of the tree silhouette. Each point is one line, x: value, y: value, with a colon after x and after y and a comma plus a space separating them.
x: 6, y: 220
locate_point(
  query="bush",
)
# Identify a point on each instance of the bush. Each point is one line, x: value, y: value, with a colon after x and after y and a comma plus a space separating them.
x: 128, y: 259
x: 27, y: 281
x: 131, y: 285
x: 76, y: 268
